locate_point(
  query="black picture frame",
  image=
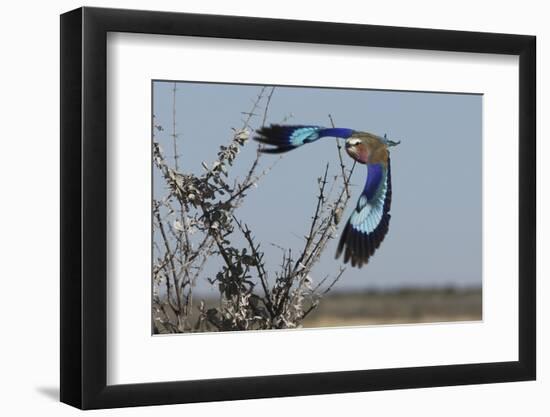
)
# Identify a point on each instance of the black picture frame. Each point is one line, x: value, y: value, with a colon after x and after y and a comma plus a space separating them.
x: 84, y: 207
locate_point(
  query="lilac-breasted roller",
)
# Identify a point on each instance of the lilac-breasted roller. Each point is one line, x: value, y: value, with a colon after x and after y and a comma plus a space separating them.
x: 369, y: 222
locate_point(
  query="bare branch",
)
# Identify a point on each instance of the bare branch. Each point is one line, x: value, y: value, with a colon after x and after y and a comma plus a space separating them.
x: 196, y: 220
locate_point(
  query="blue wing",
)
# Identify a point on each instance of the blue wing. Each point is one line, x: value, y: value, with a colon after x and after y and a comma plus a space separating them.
x: 284, y: 138
x: 369, y: 222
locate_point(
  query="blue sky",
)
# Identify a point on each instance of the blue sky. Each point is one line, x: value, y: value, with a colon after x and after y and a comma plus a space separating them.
x: 435, y: 230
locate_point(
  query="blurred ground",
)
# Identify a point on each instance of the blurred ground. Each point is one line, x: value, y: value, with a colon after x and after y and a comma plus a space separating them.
x: 397, y: 306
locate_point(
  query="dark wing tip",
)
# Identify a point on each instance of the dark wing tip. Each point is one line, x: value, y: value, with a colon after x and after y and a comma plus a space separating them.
x: 274, y: 135
x: 359, y: 247
x: 276, y: 150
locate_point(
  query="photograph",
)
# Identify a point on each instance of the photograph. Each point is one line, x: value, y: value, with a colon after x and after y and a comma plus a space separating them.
x: 303, y: 206
x: 294, y: 207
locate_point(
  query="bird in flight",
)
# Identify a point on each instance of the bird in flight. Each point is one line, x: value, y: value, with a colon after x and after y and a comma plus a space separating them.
x: 368, y: 224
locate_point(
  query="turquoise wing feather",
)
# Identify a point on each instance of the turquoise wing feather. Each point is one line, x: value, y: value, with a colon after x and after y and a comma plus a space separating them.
x: 284, y: 138
x: 369, y: 222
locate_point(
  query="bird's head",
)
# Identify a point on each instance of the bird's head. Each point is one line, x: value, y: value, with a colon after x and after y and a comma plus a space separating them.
x: 366, y: 148
x: 359, y: 149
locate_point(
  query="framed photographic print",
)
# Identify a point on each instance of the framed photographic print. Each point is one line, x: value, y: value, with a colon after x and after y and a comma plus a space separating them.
x: 256, y: 208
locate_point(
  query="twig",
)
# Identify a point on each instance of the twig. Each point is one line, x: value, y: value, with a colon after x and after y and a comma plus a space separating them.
x: 262, y: 275
x: 314, y: 305
x: 342, y: 166
x: 171, y: 260
x: 267, y: 105
x: 311, y: 234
